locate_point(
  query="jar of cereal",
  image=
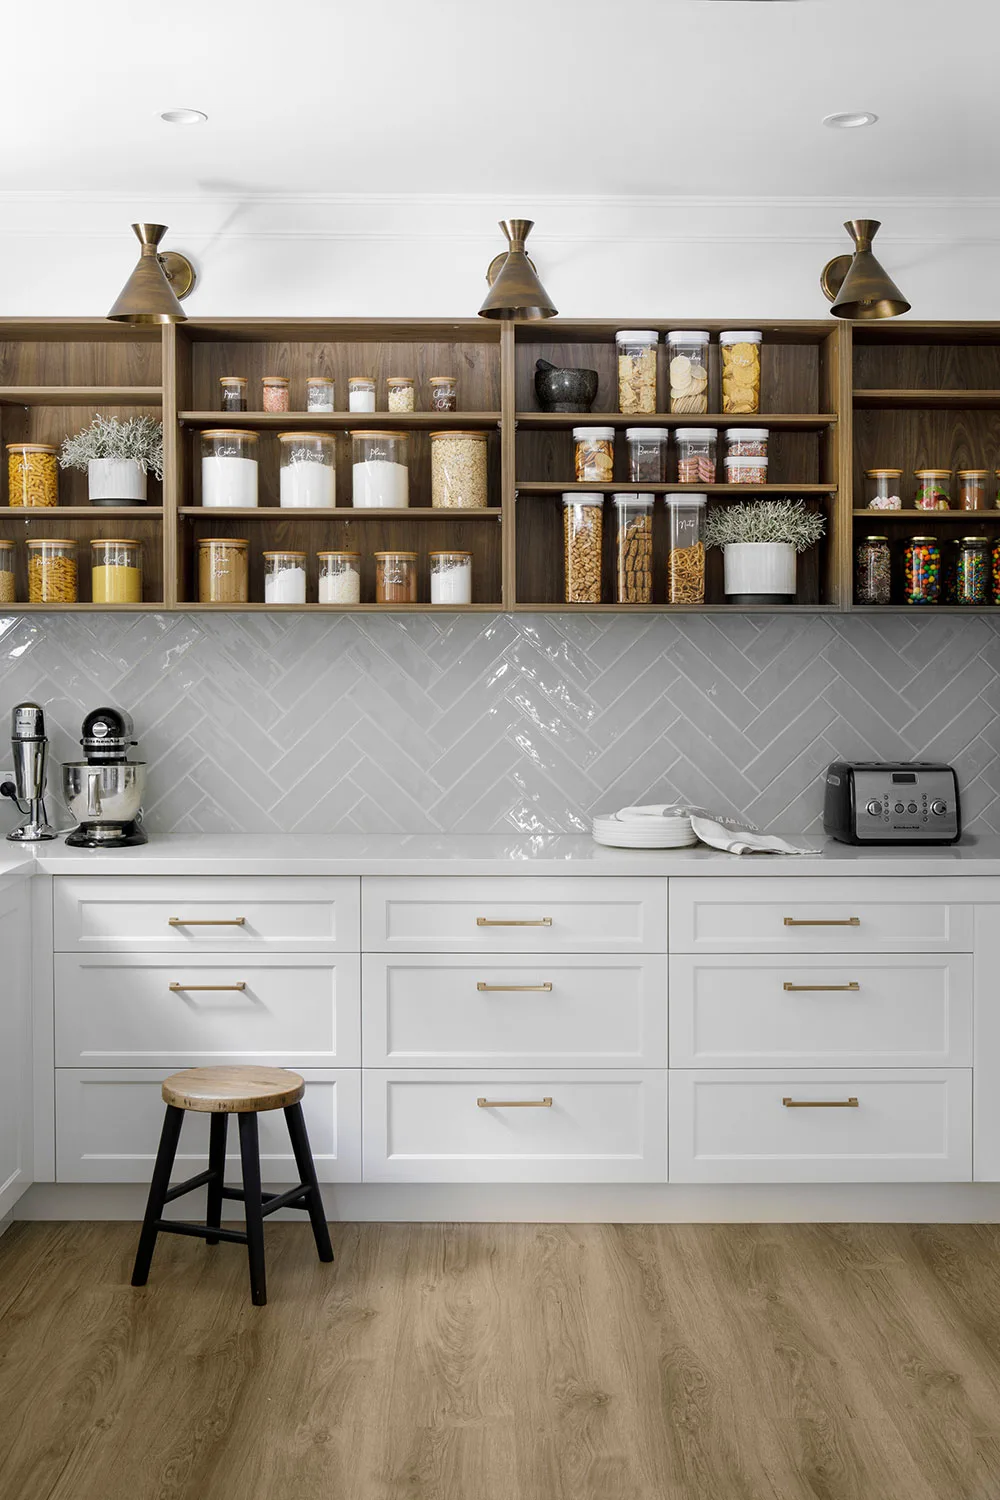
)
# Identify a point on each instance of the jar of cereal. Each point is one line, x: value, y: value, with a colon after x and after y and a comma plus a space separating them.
x: 458, y: 470
x: 636, y: 370
x: 583, y: 516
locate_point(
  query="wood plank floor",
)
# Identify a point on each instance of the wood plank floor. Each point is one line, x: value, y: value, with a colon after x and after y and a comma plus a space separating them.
x: 505, y: 1362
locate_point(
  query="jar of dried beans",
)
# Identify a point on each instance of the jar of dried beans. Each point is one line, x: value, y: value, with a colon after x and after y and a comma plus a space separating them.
x: 594, y: 454
x: 686, y: 557
x: 923, y: 570
x: 395, y: 578
x: 972, y: 580
x: 399, y: 393
x: 634, y: 518
x: 696, y: 454
x: 6, y: 572
x: 33, y: 475
x: 223, y: 570
x: 444, y: 392
x: 459, y: 470
x: 636, y: 370
x: 972, y: 489
x: 687, y: 354
x: 872, y: 571
x: 647, y: 454
x: 933, y: 489
x: 320, y: 393
x: 51, y: 571
x: 233, y: 396
x: 274, y: 393
x: 883, y: 489
x: 740, y: 353
x: 583, y: 517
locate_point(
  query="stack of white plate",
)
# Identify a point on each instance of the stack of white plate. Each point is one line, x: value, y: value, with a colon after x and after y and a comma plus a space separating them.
x: 644, y: 833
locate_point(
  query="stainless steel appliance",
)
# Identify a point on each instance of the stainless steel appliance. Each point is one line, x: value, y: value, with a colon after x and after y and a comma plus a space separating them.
x: 30, y: 750
x: 892, y: 802
x: 104, y: 792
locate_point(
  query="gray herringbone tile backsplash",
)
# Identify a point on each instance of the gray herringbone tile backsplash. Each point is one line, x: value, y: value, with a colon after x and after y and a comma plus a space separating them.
x: 436, y: 723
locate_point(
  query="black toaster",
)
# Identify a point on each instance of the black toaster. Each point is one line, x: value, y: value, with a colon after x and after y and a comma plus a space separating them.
x: 882, y: 802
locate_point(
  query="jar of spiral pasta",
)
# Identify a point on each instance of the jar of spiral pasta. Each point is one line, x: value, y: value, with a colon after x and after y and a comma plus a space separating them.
x: 32, y: 474
x: 6, y: 572
x: 52, y: 571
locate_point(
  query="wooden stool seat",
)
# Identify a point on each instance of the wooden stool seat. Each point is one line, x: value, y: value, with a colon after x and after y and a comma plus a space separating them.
x: 233, y: 1091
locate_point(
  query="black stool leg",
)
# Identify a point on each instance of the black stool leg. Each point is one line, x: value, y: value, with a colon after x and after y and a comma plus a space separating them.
x: 307, y: 1176
x: 253, y: 1203
x: 216, y: 1164
x: 169, y: 1136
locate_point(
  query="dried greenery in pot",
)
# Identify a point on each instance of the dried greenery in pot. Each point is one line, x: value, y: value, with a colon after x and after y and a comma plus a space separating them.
x: 759, y: 541
x: 116, y: 456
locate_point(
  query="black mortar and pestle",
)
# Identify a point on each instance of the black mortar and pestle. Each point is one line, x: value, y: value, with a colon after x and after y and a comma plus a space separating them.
x: 564, y: 390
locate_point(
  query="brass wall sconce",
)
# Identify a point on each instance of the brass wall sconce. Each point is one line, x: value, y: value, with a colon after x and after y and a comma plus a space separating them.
x: 154, y: 290
x: 857, y: 285
x: 515, y: 290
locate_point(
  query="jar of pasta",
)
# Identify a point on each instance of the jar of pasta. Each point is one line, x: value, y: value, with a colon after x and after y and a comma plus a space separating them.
x: 116, y: 571
x: 883, y: 489
x: 634, y: 547
x: 33, y: 474
x: 583, y: 525
x: 923, y: 570
x: 687, y: 354
x: 933, y: 490
x: 395, y: 578
x: 320, y: 392
x: 458, y: 470
x: 594, y: 454
x: 52, y: 571
x: 972, y: 578
x: 740, y: 351
x: 972, y: 489
x: 400, y: 393
x: 872, y: 571
x: 636, y: 370
x: 647, y: 454
x: 686, y: 557
x: 233, y: 396
x: 6, y: 572
x: 223, y: 570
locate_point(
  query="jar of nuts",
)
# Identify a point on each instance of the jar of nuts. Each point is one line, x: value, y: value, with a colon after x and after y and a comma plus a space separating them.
x: 636, y: 370
x: 51, y: 571
x: 647, y: 454
x: 634, y: 517
x: 399, y: 393
x: 594, y: 454
x: 686, y: 557
x: 583, y: 517
x: 696, y: 454
x: 687, y: 353
x: 458, y: 470
x: 6, y: 572
x: 33, y: 474
x: 740, y: 351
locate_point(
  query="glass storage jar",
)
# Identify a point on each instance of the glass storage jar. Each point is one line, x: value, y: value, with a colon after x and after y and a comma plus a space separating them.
x: 116, y: 571
x: 696, y: 454
x: 339, y: 577
x: 972, y: 489
x: 594, y: 454
x: 6, y: 572
x: 933, y: 490
x: 996, y: 572
x: 228, y: 468
x: 647, y: 454
x: 223, y: 570
x: 233, y: 395
x: 308, y: 474
x: 923, y: 570
x: 746, y: 470
x: 399, y: 393
x: 284, y: 577
x: 274, y: 393
x: 686, y: 557
x: 395, y: 578
x: 636, y: 370
x: 33, y: 475
x: 320, y: 393
x: 458, y: 470
x: 52, y: 571
x: 634, y: 548
x: 381, y: 476
x: 873, y: 571
x: 972, y: 576
x: 361, y: 393
x: 949, y: 570
x: 740, y: 354
x: 583, y: 520
x: 444, y: 392
x: 451, y: 577
x: 687, y: 353
x: 883, y: 489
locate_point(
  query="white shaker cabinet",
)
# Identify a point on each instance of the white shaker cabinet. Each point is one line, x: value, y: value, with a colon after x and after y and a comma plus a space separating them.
x: 15, y: 1042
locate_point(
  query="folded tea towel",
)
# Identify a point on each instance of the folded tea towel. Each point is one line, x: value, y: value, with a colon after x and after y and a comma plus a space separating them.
x: 712, y: 829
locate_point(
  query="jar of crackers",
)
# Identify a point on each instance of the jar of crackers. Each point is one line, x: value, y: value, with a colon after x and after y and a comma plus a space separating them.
x: 687, y: 353
x: 636, y: 370
x: 740, y: 352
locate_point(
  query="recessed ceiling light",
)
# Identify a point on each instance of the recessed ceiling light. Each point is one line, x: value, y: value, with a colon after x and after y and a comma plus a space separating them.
x: 851, y: 120
x: 184, y: 116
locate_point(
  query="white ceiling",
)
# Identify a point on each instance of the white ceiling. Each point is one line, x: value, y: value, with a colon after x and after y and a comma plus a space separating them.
x: 705, y: 97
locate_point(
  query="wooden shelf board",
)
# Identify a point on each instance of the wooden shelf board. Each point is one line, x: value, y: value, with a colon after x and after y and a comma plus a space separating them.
x: 924, y: 609
x: 729, y: 491
x: 383, y: 609
x: 82, y: 512
x: 913, y: 400
x: 968, y: 517
x: 677, y: 609
x: 925, y: 331
x: 339, y: 421
x: 342, y: 330
x: 789, y: 421
x: 81, y: 395
x: 339, y: 513
x: 600, y: 330
x: 51, y: 609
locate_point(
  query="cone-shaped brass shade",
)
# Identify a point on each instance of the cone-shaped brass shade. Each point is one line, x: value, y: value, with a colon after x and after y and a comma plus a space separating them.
x: 867, y: 292
x: 147, y: 296
x: 517, y: 291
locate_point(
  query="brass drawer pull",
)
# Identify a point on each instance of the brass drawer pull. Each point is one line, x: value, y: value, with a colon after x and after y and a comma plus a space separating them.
x: 850, y: 1103
x: 206, y: 921
x: 799, y: 989
x: 185, y: 987
x: 513, y: 921
x: 520, y: 989
x: 545, y: 1103
x: 822, y: 921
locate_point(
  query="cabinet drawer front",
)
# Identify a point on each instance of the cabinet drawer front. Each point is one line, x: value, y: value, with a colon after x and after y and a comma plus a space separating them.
x: 909, y: 1125
x: 118, y: 1010
x: 514, y: 914
x: 108, y: 1123
x: 224, y: 914
x: 597, y: 1127
x: 881, y: 1010
x: 443, y: 1011
x: 818, y: 916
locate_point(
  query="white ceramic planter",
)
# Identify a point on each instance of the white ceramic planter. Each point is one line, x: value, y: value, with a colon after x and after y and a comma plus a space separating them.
x: 116, y: 481
x: 760, y: 572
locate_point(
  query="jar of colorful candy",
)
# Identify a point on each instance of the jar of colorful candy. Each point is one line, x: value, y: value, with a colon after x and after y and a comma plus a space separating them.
x: 923, y: 570
x: 972, y: 581
x: 933, y: 489
x: 996, y: 573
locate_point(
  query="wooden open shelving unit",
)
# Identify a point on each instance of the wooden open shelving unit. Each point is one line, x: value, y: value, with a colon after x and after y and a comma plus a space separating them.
x: 838, y: 399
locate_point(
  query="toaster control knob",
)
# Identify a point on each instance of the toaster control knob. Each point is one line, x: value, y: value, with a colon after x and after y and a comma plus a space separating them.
x: 874, y: 808
x: 939, y: 808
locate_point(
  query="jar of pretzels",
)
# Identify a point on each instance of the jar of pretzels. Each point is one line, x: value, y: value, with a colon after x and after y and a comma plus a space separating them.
x: 686, y: 555
x: 52, y: 571
x: 583, y: 518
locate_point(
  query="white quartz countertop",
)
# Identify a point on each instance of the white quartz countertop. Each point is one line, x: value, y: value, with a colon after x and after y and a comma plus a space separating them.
x: 489, y: 854
x: 16, y: 863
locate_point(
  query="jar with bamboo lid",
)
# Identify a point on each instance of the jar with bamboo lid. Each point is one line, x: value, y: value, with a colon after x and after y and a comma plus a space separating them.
x: 52, y: 577
x: 116, y: 570
x: 459, y: 470
x: 320, y: 393
x: 223, y: 570
x: 444, y: 392
x: 33, y: 475
x: 451, y: 577
x: 274, y: 393
x: 400, y: 393
x: 883, y: 487
x: 339, y: 577
x: 972, y: 489
x: 7, y: 592
x: 395, y: 578
x: 234, y: 392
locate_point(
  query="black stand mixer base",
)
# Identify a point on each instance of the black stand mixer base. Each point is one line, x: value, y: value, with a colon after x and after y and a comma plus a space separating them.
x: 81, y: 839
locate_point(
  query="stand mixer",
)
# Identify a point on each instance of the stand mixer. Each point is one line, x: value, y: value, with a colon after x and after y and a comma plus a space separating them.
x: 104, y: 792
x: 30, y: 750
